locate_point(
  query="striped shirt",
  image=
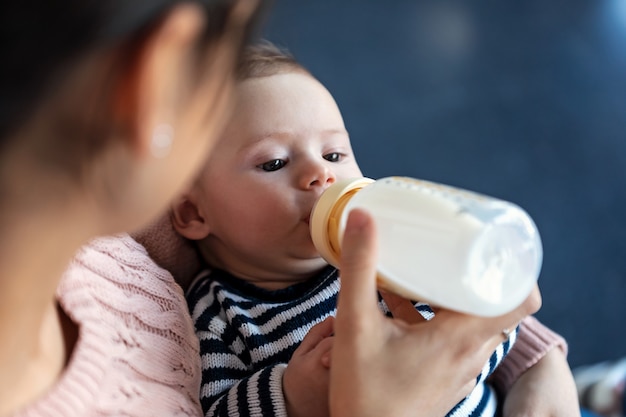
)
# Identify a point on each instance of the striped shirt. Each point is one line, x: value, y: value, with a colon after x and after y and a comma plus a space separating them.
x: 248, y: 334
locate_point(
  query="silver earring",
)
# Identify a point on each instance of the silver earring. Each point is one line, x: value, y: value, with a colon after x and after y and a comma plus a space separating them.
x: 162, y: 138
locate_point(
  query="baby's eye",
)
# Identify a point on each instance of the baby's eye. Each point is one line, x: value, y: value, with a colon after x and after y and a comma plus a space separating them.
x: 333, y: 157
x: 273, y: 165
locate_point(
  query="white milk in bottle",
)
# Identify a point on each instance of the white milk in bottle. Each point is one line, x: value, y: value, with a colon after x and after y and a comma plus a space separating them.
x: 438, y: 244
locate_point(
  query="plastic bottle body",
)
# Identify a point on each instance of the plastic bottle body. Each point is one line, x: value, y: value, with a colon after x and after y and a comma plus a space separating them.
x: 449, y: 247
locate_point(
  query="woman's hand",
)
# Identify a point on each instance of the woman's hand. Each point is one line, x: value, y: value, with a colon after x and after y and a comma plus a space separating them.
x: 547, y: 389
x: 393, y: 367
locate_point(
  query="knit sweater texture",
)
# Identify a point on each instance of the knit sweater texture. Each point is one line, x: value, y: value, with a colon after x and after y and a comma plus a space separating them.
x: 136, y: 354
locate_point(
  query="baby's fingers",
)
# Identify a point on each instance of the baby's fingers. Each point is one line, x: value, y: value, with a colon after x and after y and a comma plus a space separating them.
x: 317, y: 334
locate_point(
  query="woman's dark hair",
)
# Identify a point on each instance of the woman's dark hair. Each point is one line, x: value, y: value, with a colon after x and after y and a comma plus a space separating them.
x: 40, y: 39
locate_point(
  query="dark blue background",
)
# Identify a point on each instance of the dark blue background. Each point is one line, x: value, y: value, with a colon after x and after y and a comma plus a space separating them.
x: 525, y: 101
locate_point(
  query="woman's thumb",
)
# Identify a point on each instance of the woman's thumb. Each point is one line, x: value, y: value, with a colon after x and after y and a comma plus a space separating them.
x: 358, y: 296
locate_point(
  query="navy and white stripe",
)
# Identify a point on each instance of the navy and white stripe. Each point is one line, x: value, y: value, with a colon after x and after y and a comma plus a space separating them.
x: 248, y: 334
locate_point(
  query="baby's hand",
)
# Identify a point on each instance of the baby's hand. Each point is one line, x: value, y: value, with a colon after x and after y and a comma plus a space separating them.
x: 305, y: 381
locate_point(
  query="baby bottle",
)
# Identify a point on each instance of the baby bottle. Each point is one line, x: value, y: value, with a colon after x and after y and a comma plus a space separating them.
x: 438, y: 244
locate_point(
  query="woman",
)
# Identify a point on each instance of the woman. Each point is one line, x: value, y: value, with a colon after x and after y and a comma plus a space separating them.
x: 108, y: 109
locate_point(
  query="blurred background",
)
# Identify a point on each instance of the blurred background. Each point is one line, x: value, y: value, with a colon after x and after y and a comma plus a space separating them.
x: 525, y: 101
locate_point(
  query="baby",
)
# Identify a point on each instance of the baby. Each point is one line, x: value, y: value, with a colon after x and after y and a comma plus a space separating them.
x: 263, y: 308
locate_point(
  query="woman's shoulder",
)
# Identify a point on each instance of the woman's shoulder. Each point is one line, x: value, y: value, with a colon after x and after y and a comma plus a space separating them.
x: 136, y: 348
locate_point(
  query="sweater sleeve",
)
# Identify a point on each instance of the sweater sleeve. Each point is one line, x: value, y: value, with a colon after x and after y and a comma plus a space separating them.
x: 229, y: 388
x: 232, y: 383
x: 533, y: 342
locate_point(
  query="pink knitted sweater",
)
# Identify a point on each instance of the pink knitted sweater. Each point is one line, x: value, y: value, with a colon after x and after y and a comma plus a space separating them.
x: 137, y: 354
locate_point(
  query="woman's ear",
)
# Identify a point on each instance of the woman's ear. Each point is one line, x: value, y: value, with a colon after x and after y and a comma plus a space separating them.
x: 188, y: 219
x: 153, y: 84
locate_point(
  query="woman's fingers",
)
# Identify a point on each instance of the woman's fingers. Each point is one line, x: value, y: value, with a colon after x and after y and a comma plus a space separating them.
x: 510, y: 320
x: 480, y: 335
x: 531, y: 305
x: 401, y: 308
x: 357, y: 303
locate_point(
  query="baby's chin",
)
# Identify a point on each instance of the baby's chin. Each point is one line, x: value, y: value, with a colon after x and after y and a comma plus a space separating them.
x: 308, y: 266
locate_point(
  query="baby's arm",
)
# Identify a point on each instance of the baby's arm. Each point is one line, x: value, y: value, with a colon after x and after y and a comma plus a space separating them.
x: 299, y: 389
x: 535, y: 377
x: 229, y: 387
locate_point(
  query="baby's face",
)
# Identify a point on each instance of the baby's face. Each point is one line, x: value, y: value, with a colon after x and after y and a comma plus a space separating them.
x: 285, y: 144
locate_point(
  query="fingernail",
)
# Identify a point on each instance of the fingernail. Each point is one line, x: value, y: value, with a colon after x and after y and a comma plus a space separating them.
x: 356, y: 221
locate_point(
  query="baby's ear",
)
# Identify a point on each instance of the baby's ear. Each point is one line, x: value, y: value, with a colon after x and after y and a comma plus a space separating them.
x: 188, y: 219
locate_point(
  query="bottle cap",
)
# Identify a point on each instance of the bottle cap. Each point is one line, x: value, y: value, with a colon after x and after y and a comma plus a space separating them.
x: 324, y: 217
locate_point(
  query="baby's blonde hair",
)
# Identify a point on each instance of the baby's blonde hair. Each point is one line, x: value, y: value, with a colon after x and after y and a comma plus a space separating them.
x: 263, y: 59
